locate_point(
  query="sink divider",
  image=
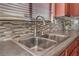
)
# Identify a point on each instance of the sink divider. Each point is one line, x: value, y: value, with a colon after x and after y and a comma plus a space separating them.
x: 36, y: 45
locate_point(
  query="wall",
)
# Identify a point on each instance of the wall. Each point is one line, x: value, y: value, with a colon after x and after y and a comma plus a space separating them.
x: 41, y: 9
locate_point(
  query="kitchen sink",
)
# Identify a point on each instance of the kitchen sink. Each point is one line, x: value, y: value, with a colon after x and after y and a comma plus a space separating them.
x: 41, y: 45
x: 38, y: 45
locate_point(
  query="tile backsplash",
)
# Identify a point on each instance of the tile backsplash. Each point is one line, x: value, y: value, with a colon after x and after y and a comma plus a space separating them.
x: 67, y: 23
x: 20, y: 29
x: 24, y: 29
x: 11, y: 29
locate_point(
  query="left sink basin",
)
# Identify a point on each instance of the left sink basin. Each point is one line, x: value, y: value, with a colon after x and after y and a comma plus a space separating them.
x: 37, y: 44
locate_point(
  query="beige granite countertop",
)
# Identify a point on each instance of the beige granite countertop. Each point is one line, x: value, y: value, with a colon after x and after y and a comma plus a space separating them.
x: 9, y: 48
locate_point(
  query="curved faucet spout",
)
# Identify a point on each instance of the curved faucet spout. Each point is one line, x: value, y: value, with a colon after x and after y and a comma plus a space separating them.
x: 41, y: 18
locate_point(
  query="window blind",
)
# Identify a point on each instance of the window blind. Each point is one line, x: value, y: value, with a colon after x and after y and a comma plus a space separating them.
x: 14, y: 9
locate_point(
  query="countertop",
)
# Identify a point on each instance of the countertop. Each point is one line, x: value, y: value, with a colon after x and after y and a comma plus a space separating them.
x: 9, y: 48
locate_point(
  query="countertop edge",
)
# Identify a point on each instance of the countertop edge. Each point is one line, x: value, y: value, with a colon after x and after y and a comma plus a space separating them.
x: 57, y: 50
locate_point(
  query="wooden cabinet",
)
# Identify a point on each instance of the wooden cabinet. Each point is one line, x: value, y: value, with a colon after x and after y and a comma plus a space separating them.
x: 72, y: 49
x: 74, y: 52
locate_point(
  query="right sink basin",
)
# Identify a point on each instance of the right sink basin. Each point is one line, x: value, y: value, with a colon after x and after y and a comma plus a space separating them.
x: 57, y: 37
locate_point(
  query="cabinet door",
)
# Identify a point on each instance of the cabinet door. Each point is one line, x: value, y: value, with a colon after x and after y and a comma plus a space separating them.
x: 69, y: 50
x: 74, y: 53
x: 78, y: 51
x: 77, y: 45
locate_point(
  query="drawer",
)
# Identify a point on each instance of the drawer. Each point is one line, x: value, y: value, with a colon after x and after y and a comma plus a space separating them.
x: 72, y: 49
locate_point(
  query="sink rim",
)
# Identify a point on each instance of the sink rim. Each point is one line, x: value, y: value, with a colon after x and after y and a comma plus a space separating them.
x: 60, y: 35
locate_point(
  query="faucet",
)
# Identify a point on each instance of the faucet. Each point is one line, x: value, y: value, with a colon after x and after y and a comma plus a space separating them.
x: 41, y: 18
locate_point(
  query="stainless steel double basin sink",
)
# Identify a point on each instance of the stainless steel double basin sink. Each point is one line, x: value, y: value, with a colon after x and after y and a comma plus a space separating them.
x: 43, y: 44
